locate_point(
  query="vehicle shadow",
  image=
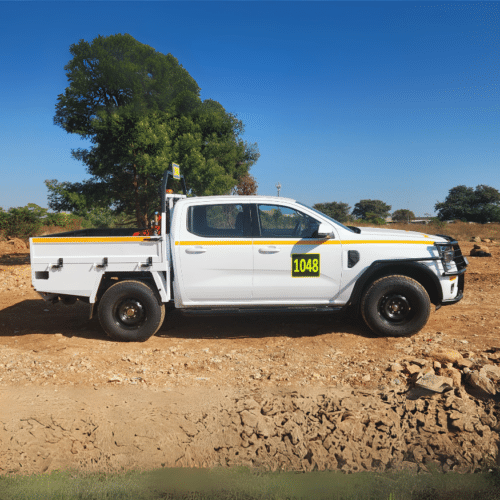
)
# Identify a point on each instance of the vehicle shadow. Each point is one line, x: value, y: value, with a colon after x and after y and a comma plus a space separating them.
x: 35, y: 316
x: 257, y: 325
x: 14, y: 259
x: 39, y: 317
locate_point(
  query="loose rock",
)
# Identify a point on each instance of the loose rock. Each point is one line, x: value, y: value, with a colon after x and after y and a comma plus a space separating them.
x: 481, y: 382
x: 490, y: 371
x: 445, y: 355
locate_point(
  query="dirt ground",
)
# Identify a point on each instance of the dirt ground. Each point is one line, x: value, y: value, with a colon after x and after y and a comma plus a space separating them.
x: 293, y: 392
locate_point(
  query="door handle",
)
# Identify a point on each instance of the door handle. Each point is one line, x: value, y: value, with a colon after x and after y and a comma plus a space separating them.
x: 269, y: 250
x: 196, y: 250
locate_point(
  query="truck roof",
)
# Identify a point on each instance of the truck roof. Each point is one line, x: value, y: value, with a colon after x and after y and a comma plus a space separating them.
x: 253, y: 197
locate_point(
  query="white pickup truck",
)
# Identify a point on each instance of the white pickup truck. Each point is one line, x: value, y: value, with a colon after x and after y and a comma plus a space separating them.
x: 248, y: 253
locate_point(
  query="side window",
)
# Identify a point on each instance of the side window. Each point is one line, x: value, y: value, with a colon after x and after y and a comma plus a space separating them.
x: 282, y: 222
x: 225, y: 220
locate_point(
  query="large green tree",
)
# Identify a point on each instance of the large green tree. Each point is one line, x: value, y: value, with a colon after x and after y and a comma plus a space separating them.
x: 141, y: 110
x: 473, y: 205
x: 336, y: 210
x: 371, y: 209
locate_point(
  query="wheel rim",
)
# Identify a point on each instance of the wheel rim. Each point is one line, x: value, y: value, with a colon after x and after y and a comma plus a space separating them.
x: 395, y: 308
x: 130, y: 313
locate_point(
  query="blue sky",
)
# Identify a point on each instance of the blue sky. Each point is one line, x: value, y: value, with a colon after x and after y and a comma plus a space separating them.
x: 397, y: 101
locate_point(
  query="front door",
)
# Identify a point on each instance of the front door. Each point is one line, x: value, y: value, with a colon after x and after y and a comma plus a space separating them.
x: 290, y: 265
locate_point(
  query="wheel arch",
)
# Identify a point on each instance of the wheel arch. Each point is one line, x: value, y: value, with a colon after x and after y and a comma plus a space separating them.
x: 415, y: 270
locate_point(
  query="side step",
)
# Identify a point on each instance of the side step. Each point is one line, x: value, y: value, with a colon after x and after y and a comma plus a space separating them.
x: 259, y: 310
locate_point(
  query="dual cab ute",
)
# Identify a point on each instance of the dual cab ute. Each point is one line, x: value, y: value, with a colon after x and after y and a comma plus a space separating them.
x: 248, y: 253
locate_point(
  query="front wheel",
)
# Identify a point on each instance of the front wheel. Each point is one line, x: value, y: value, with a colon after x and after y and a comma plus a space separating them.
x: 129, y: 311
x: 395, y: 306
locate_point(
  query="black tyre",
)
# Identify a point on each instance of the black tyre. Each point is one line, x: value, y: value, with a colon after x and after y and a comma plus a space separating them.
x: 395, y: 306
x: 129, y: 311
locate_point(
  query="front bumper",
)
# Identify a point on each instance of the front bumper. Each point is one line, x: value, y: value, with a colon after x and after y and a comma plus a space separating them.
x: 460, y: 292
x: 461, y: 264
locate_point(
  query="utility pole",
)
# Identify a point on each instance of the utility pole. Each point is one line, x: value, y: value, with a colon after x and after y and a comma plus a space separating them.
x: 278, y: 187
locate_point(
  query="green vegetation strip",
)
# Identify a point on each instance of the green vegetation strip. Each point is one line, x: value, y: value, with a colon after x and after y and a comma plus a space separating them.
x: 249, y: 484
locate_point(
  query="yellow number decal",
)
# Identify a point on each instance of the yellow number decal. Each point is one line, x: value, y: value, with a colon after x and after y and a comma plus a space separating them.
x: 305, y: 265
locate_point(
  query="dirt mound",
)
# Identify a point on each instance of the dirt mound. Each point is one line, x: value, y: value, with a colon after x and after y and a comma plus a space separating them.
x: 14, y: 245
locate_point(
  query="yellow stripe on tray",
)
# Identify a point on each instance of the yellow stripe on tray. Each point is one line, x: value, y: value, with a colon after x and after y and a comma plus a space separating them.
x: 107, y: 239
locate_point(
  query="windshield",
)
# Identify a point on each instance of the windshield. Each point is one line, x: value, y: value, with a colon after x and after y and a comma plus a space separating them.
x: 329, y: 218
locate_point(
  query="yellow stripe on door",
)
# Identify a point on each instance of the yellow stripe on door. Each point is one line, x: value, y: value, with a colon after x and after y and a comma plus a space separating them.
x: 303, y: 242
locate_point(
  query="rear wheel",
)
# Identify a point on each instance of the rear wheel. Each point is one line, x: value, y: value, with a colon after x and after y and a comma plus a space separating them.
x: 129, y: 311
x: 395, y: 306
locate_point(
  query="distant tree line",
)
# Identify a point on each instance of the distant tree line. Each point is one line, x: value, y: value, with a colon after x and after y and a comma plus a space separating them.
x: 480, y: 205
x: 464, y: 203
x: 373, y: 211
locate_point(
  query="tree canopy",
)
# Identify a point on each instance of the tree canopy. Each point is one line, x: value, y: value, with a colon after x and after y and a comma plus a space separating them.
x: 371, y: 209
x: 115, y: 74
x: 403, y: 215
x: 141, y: 110
x: 473, y: 205
x: 336, y: 210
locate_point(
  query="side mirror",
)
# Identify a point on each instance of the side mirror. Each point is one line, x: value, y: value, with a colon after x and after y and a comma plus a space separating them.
x: 325, y: 231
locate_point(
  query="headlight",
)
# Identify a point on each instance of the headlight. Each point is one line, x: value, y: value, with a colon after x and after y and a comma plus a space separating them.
x: 446, y: 252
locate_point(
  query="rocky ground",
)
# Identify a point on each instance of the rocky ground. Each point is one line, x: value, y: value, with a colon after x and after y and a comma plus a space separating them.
x: 294, y: 392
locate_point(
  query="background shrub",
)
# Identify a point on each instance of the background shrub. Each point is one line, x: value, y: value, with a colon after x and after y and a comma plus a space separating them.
x: 23, y: 222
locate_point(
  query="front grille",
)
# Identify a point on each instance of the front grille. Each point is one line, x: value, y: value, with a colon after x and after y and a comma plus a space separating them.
x: 458, y: 258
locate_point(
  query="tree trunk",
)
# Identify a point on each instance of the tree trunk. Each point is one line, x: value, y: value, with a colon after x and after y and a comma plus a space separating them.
x: 146, y: 204
x: 138, y: 212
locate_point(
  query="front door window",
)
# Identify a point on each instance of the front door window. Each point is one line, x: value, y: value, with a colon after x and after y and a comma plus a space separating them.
x: 283, y: 222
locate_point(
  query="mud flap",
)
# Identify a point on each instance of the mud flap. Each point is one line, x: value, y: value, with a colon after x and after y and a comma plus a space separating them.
x: 91, y: 310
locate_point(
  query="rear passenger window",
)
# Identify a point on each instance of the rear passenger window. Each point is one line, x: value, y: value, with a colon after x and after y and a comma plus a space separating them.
x: 209, y: 221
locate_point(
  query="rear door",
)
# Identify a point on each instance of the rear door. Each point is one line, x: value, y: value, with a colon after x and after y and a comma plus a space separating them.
x: 214, y: 251
x: 291, y: 266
